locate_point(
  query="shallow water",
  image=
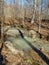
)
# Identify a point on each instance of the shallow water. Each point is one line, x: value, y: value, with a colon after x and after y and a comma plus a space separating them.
x: 21, y: 43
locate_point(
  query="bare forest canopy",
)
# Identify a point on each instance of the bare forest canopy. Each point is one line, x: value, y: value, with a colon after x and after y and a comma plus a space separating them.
x: 25, y: 8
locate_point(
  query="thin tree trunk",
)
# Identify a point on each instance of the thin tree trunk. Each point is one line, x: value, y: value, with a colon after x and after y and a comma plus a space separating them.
x: 35, y: 2
x: 2, y: 17
x: 40, y: 13
x: 23, y: 13
x: 2, y: 22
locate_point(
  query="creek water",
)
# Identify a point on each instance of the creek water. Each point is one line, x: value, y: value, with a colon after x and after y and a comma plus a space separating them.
x: 20, y: 43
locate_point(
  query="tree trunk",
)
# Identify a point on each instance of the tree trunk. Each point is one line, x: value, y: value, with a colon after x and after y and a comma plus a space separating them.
x: 35, y: 3
x: 40, y: 15
x: 2, y: 17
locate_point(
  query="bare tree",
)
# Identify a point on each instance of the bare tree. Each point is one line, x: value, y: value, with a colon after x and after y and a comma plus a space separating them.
x: 35, y: 4
x: 40, y: 13
x: 47, y: 9
x: 2, y: 16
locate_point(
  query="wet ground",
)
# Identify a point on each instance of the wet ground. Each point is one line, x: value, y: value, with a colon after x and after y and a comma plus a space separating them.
x: 16, y: 38
x: 27, y: 43
x: 35, y: 42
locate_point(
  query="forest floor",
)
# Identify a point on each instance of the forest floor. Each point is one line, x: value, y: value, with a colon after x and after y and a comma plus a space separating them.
x: 30, y: 57
x: 38, y: 55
